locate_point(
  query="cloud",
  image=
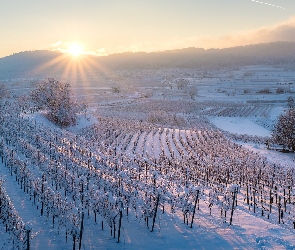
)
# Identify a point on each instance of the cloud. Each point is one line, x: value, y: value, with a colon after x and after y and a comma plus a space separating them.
x: 99, y: 52
x: 64, y: 48
x: 56, y: 44
x: 284, y: 31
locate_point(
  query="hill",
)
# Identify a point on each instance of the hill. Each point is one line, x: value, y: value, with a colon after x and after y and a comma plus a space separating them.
x: 44, y: 63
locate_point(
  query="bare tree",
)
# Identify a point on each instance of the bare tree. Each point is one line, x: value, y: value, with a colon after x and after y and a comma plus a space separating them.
x: 284, y: 131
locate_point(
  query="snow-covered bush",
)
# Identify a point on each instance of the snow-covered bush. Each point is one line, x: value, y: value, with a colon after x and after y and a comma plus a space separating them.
x: 280, y: 91
x: 54, y: 97
x: 264, y: 91
x: 192, y: 91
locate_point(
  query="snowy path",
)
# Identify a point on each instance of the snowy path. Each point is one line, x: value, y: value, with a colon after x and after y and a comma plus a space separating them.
x: 149, y: 145
x: 164, y: 143
x: 157, y: 145
x: 133, y: 141
x: 177, y: 134
x: 173, y: 148
x: 140, y: 144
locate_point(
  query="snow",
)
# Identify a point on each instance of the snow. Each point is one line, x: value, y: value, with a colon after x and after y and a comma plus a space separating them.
x: 40, y: 118
x: 276, y: 157
x: 173, y: 150
x: 140, y: 143
x: 163, y: 140
x: 83, y: 121
x: 157, y: 144
x: 239, y: 125
x: 149, y: 145
x: 208, y: 232
x: 249, y: 230
x: 44, y: 236
x: 275, y: 112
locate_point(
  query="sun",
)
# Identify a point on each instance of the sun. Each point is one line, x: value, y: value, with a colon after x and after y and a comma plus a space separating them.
x: 75, y: 49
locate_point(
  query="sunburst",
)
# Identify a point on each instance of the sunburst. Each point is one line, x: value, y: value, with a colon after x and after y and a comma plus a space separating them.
x: 75, y: 49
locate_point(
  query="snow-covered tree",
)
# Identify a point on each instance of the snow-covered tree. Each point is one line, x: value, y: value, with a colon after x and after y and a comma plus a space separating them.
x: 181, y: 83
x: 290, y: 101
x: 192, y: 91
x: 54, y: 97
x: 284, y: 131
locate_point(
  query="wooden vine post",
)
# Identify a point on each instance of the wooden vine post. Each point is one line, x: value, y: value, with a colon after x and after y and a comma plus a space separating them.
x: 74, y: 241
x: 42, y: 190
x: 155, y: 214
x: 81, y: 231
x: 28, y: 232
x: 120, y: 222
x: 194, y: 211
x: 233, y: 206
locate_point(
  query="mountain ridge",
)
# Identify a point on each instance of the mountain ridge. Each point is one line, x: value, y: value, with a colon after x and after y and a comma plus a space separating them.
x: 41, y: 62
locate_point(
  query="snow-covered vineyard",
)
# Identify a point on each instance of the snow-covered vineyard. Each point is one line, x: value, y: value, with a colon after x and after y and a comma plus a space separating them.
x: 153, y: 167
x: 91, y: 190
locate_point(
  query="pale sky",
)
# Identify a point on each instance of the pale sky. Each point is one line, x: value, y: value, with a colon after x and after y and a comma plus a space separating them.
x: 113, y: 26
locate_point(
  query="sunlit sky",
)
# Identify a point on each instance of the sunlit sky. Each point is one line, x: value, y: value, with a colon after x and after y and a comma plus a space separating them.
x: 113, y: 26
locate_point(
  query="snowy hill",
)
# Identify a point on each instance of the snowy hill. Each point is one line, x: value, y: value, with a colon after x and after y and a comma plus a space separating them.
x: 51, y: 63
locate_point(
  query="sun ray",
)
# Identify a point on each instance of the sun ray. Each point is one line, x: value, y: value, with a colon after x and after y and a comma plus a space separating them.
x: 84, y: 71
x: 59, y: 59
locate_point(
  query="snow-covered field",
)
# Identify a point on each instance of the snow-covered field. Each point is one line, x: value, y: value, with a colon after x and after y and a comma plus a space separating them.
x: 239, y: 125
x: 154, y: 155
